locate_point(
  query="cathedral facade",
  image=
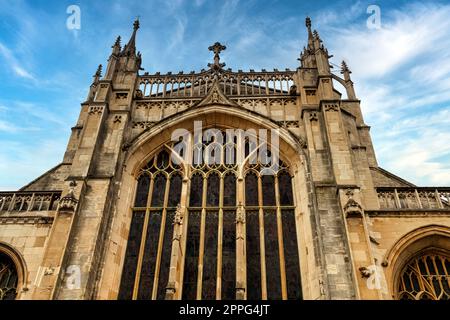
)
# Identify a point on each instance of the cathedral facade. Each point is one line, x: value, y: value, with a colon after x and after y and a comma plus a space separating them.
x: 223, y: 185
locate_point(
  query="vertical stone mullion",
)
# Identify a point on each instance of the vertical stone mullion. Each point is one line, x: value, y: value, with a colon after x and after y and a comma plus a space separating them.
x: 161, y: 241
x: 241, y: 260
x: 280, y: 242
x: 202, y: 240
x: 143, y: 239
x: 220, y: 241
x: 262, y: 243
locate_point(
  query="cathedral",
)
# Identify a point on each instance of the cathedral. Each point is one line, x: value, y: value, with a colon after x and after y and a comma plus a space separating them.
x: 223, y: 184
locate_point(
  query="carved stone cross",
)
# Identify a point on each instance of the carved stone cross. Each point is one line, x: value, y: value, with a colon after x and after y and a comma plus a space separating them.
x: 217, y: 48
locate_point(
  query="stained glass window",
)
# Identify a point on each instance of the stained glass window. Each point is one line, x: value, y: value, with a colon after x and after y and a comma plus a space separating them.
x: 8, y: 278
x: 426, y: 277
x: 271, y: 247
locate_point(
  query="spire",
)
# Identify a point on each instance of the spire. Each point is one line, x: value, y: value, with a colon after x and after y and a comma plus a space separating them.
x: 345, y: 71
x: 117, y: 46
x: 130, y: 48
x: 310, y: 34
x: 98, y: 74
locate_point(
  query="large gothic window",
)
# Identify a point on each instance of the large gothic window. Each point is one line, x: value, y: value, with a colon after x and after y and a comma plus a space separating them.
x: 8, y: 278
x: 209, y: 273
x: 147, y: 258
x: 426, y: 277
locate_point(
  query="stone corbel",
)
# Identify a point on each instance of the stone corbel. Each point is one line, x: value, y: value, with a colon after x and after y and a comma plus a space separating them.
x: 352, y: 207
x: 366, y: 272
x: 69, y: 202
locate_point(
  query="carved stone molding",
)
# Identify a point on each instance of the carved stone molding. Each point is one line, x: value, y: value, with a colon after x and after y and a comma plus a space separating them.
x: 179, y: 216
x: 26, y: 220
x: 240, y: 215
x: 121, y: 95
x: 94, y: 110
x: 331, y: 107
x: 143, y: 124
x: 313, y: 116
x: 118, y: 119
x: 288, y: 124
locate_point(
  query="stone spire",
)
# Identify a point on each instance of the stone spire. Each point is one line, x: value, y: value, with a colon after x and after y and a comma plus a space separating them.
x: 130, y: 48
x: 310, y: 34
x: 117, y: 46
x: 345, y: 71
x: 98, y: 74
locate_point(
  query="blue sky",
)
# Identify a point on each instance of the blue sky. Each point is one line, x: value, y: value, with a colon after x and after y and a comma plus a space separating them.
x: 401, y: 71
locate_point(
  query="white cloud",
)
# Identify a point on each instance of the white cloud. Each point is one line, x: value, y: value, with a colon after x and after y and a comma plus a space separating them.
x: 11, y: 61
x: 401, y: 74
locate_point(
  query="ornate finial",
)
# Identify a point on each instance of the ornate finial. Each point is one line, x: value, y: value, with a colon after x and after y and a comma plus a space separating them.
x: 136, y: 24
x: 308, y: 22
x: 98, y: 73
x: 217, y: 48
x: 345, y: 71
x: 316, y: 34
x: 117, y: 43
x: 344, y: 67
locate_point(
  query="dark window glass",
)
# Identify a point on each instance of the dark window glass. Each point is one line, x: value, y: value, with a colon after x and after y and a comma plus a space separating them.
x: 142, y: 191
x: 213, y: 193
x: 159, y: 190
x: 229, y: 256
x: 131, y: 257
x: 163, y: 160
x: 285, y: 185
x: 166, y: 255
x: 210, y: 257
x: 229, y: 190
x: 191, y: 260
x: 253, y: 256
x: 8, y: 278
x: 175, y: 191
x: 268, y: 190
x: 150, y: 254
x: 272, y: 255
x: 251, y: 189
x: 294, y: 290
x: 196, y: 193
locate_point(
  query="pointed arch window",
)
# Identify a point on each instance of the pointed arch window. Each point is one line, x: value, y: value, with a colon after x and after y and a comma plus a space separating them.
x: 426, y: 277
x: 8, y: 278
x: 209, y: 257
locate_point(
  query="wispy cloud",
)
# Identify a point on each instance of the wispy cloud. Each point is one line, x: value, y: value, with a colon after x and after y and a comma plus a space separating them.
x: 401, y: 73
x: 11, y: 61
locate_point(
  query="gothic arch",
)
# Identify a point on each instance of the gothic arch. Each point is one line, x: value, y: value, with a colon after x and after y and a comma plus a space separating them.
x: 148, y: 144
x: 20, y: 266
x: 413, y: 244
x: 212, y: 115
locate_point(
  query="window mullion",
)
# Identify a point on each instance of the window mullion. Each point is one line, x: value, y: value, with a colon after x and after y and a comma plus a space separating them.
x: 280, y: 241
x: 202, y: 240
x: 261, y: 237
x: 143, y: 239
x: 161, y: 240
x: 220, y: 242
